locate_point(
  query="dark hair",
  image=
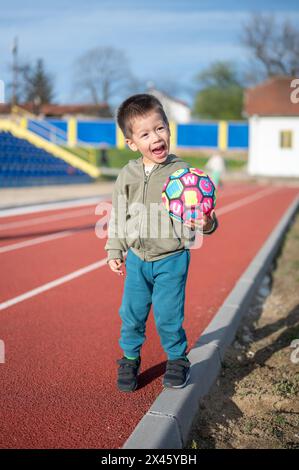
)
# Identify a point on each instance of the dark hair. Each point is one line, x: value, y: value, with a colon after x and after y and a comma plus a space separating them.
x: 137, y: 105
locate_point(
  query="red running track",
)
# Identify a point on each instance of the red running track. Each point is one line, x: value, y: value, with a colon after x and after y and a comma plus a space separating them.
x: 61, y: 345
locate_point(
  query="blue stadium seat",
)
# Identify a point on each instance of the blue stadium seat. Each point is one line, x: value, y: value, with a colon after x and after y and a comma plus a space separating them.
x: 23, y: 164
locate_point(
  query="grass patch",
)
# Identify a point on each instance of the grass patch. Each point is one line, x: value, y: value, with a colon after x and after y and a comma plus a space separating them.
x: 120, y: 157
x: 286, y: 388
x: 279, y: 420
x: 88, y: 154
x: 249, y: 425
x: 194, y: 445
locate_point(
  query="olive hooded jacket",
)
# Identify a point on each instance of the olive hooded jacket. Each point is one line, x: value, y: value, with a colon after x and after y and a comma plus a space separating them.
x: 138, y: 219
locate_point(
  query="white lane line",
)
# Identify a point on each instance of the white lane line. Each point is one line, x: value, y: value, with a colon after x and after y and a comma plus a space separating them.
x: 52, y: 284
x: 35, y: 241
x: 46, y: 238
x: 47, y: 219
x: 246, y: 200
x: 55, y: 217
x: 221, y: 193
x: 50, y: 206
x: 221, y: 197
x: 103, y: 262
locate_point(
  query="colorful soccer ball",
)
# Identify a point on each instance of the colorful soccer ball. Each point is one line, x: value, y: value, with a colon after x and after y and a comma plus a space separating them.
x: 188, y: 194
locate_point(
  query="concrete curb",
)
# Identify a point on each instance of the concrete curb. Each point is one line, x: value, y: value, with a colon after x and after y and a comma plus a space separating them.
x: 167, y: 423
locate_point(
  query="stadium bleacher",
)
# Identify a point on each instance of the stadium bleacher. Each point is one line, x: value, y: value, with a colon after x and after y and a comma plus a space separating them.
x: 23, y: 164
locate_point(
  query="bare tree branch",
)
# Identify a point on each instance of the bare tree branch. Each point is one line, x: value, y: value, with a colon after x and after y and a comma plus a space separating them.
x: 275, y: 47
x: 102, y: 72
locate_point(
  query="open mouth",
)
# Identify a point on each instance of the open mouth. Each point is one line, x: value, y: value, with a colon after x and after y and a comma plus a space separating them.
x: 159, y: 150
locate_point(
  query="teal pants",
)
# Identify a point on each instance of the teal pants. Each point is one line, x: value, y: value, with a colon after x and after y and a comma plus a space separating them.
x: 162, y: 284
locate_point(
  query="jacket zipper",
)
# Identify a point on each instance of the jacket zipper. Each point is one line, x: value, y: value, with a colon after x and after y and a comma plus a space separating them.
x: 145, y: 186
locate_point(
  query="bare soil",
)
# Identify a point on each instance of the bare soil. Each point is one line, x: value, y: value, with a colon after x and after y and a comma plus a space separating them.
x: 254, y: 403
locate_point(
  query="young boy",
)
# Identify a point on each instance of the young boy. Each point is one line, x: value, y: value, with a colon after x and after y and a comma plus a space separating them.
x: 156, y: 266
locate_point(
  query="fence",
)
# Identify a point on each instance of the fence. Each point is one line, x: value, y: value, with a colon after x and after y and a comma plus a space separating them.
x: 98, y: 133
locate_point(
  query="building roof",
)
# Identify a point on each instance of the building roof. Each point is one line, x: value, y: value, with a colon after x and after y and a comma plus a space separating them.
x: 58, y: 110
x: 272, y: 98
x: 165, y: 95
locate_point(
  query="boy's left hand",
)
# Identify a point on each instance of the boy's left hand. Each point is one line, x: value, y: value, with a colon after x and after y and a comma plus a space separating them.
x: 204, y: 224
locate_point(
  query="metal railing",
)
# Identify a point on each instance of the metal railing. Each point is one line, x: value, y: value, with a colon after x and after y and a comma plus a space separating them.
x: 51, y: 133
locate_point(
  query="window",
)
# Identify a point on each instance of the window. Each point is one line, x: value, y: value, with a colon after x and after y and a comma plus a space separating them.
x: 286, y: 139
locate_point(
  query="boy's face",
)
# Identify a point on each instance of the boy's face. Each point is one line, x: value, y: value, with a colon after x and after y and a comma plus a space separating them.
x: 151, y: 136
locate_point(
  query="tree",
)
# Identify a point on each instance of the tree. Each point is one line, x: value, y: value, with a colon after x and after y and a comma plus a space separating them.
x: 102, y: 73
x: 221, y: 94
x: 38, y: 84
x: 31, y: 83
x: 274, y: 47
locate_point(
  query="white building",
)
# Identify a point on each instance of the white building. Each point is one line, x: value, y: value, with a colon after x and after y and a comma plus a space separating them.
x: 273, y: 128
x: 176, y: 110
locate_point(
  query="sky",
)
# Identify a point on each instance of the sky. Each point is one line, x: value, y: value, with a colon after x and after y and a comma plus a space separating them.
x: 164, y: 40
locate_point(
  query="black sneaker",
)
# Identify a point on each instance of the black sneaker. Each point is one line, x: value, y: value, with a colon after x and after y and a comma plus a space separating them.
x: 127, y: 374
x: 177, y: 373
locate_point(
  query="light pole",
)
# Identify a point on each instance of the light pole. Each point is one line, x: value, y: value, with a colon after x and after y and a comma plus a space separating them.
x: 15, y: 70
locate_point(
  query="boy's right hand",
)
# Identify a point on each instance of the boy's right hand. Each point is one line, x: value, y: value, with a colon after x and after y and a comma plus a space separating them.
x: 116, y: 266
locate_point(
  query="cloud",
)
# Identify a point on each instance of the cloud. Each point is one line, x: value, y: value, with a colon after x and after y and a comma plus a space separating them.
x: 171, y: 36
